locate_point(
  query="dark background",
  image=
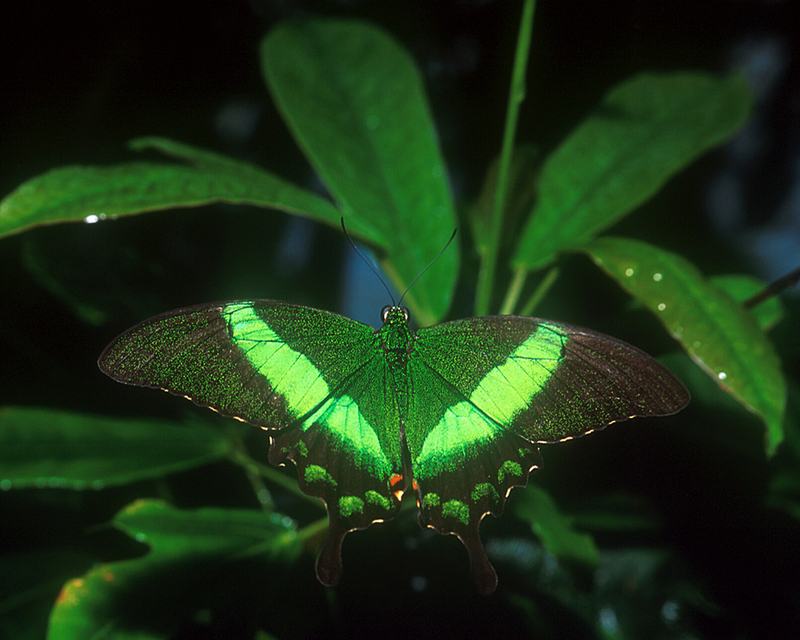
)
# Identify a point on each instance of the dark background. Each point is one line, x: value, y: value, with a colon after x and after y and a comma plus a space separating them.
x: 81, y: 79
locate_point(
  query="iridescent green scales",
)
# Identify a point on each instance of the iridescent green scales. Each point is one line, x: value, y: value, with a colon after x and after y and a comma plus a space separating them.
x: 453, y: 411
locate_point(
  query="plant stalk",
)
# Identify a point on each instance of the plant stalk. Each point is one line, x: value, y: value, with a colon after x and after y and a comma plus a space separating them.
x: 515, y: 98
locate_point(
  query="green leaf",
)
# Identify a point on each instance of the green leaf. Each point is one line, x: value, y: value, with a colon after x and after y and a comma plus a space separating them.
x: 47, y: 448
x: 354, y: 102
x: 741, y: 287
x: 554, y: 528
x: 76, y: 193
x: 234, y: 533
x: 185, y: 566
x: 645, y: 130
x: 718, y: 333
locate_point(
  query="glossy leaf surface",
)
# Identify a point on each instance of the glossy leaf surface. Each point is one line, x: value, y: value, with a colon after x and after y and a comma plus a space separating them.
x: 716, y: 331
x: 78, y: 193
x: 741, y: 287
x: 355, y: 103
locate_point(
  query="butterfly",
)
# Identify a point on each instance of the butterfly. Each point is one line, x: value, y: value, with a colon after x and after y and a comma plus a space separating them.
x: 454, y: 411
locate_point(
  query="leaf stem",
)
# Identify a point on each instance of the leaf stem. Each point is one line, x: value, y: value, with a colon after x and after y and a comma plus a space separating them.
x: 270, y: 473
x: 515, y: 98
x: 514, y: 289
x: 541, y: 291
x: 313, y: 529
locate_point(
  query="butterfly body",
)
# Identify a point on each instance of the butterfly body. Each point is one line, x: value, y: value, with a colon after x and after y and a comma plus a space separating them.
x: 454, y: 411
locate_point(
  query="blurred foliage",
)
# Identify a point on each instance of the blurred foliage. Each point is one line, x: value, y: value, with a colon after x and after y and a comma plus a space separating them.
x: 173, y: 526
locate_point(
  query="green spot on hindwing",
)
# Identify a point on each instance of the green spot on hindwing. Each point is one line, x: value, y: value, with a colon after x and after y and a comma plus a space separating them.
x: 431, y: 500
x: 315, y: 473
x: 373, y: 497
x: 483, y: 490
x: 508, y: 467
x: 350, y: 505
x: 456, y: 509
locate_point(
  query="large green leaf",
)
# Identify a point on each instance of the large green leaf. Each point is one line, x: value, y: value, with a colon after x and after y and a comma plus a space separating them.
x: 176, y: 577
x: 715, y: 330
x: 79, y: 193
x: 645, y: 130
x: 354, y: 102
x: 47, y: 448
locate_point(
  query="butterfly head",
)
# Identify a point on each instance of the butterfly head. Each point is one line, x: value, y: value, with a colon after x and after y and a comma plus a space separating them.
x: 393, y: 315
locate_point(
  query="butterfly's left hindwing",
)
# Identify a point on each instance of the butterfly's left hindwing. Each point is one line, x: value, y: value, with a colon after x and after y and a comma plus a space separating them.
x: 313, y: 379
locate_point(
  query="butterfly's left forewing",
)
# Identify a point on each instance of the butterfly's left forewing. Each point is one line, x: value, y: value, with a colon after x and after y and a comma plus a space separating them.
x: 494, y: 387
x: 313, y: 379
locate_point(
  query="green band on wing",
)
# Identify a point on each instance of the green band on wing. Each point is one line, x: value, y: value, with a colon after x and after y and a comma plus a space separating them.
x: 501, y: 394
x: 346, y: 424
x: 460, y: 430
x: 289, y: 372
x: 508, y: 389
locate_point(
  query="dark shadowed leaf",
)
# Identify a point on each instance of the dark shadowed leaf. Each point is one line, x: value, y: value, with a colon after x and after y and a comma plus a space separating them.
x: 521, y: 187
x: 149, y: 596
x: 31, y: 581
x: 46, y: 448
x: 554, y: 528
x: 646, y: 129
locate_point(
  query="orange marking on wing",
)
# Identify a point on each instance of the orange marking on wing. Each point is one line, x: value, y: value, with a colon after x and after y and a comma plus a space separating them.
x: 395, y: 481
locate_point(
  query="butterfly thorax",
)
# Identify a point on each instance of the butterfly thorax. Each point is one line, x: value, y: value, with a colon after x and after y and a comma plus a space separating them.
x: 396, y: 339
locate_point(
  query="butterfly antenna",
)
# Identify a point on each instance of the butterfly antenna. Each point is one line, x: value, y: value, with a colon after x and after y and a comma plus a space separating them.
x: 430, y: 264
x: 368, y: 262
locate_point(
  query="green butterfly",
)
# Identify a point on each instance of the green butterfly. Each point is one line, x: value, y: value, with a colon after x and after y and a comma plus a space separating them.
x: 455, y: 411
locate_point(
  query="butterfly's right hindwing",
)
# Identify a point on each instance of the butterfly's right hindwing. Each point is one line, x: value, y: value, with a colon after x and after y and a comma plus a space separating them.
x: 487, y: 390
